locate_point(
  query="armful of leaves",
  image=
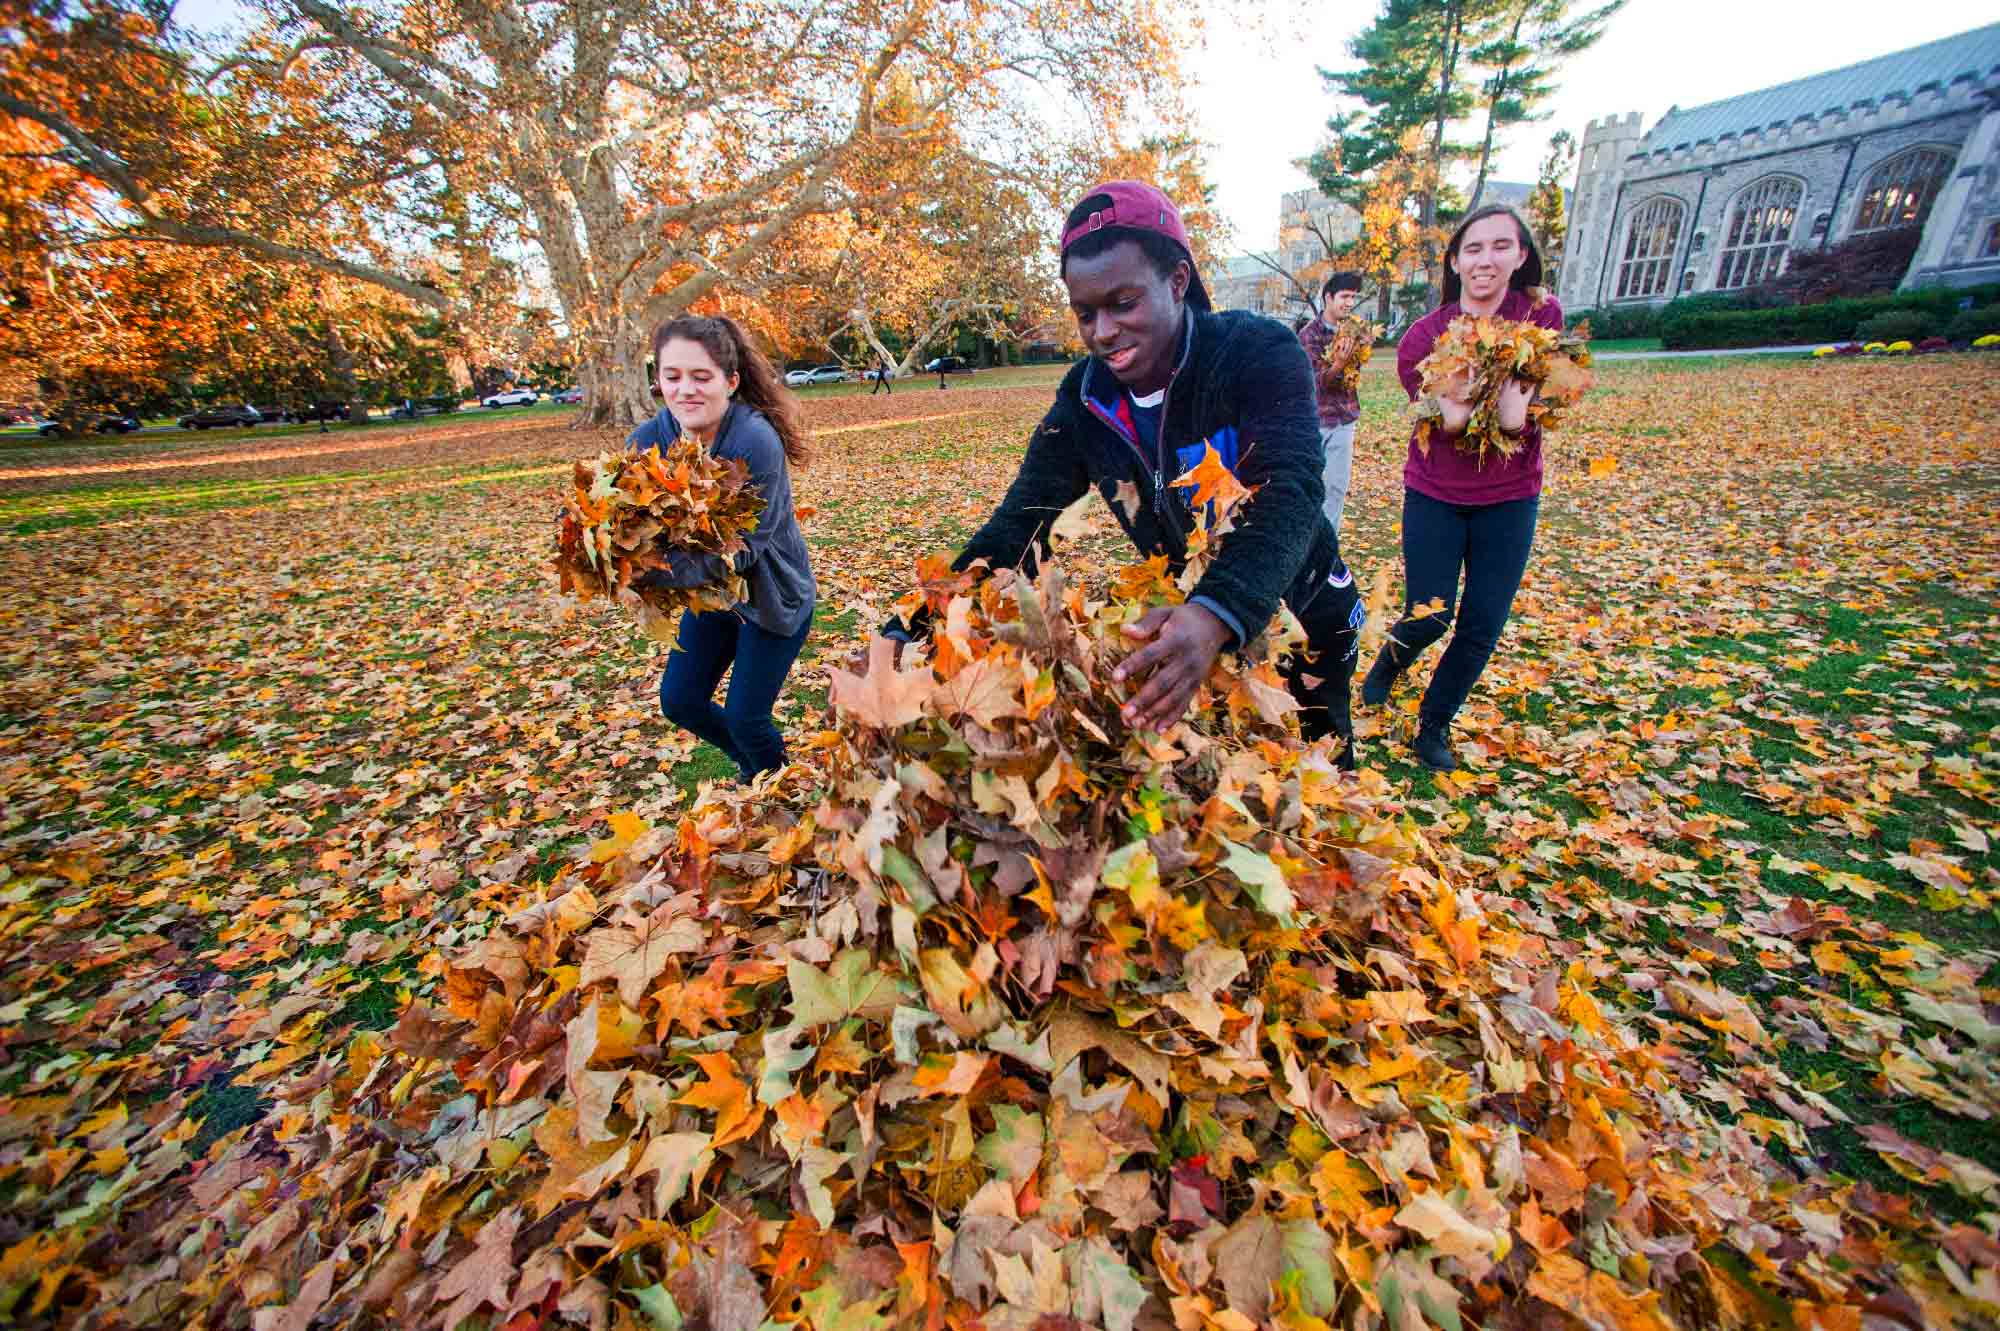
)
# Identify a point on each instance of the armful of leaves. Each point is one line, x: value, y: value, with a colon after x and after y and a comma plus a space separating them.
x: 1347, y: 351
x: 1486, y: 354
x: 667, y: 524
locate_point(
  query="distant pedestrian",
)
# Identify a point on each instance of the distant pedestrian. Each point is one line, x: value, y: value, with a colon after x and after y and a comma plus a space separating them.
x: 1339, y: 408
x: 941, y: 383
x: 882, y: 383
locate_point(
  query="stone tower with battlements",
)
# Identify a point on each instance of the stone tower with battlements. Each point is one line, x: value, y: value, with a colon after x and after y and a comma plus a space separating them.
x: 1600, y: 162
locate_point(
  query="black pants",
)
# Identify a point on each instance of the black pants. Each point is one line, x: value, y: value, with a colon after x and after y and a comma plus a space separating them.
x: 1490, y: 544
x: 757, y: 661
x: 882, y: 385
x: 1332, y: 617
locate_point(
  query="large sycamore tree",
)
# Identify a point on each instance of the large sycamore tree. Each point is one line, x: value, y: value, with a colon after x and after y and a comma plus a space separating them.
x: 634, y: 157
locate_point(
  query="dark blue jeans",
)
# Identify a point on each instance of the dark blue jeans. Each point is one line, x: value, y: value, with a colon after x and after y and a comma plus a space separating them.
x: 1490, y: 544
x: 715, y: 641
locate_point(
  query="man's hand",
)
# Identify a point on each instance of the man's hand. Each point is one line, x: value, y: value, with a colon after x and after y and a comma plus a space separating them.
x: 1184, y: 642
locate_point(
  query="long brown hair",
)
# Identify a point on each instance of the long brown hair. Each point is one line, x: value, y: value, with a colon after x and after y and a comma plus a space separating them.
x: 758, y: 384
x: 1527, y: 277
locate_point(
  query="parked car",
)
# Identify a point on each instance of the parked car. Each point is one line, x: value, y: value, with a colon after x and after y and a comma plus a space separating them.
x: 567, y: 396
x: 118, y: 423
x: 209, y: 418
x: 513, y: 397
x: 946, y: 365
x: 318, y: 411
x: 819, y: 374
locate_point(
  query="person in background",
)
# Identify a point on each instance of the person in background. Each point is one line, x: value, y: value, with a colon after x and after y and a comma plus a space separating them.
x: 1461, y: 516
x: 1338, y: 410
x: 882, y: 384
x: 722, y: 392
x: 1166, y: 380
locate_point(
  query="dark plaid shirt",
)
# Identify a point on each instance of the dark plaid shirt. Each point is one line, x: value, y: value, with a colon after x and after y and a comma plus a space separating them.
x: 1335, y: 407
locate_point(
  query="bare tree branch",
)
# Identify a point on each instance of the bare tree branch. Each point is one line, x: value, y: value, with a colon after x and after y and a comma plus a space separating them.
x: 378, y: 54
x: 139, y: 199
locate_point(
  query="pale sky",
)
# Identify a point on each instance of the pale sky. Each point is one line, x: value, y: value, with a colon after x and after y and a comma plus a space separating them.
x: 1262, y: 105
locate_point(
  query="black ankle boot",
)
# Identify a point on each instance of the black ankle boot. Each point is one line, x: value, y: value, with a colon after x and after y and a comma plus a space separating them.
x: 1381, y: 676
x: 1433, y: 746
x: 1343, y: 758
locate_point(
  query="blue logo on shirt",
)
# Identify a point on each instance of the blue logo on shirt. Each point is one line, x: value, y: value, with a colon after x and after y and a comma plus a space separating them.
x: 1223, y: 441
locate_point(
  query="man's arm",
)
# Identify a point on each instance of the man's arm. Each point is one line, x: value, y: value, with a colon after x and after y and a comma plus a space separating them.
x: 1282, y: 459
x: 1051, y: 478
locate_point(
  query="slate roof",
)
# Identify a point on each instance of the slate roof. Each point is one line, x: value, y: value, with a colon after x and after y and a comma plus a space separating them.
x: 1975, y: 54
x: 1250, y: 265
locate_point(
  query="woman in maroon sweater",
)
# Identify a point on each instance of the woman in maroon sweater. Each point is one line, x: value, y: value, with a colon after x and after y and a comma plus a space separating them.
x: 1462, y: 516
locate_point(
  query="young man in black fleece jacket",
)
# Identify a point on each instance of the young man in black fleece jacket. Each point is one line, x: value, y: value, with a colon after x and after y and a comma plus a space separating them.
x: 1165, y: 379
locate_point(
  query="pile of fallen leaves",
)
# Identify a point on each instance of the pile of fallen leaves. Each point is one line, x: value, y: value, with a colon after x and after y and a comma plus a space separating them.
x: 1476, y: 357
x: 626, y: 514
x: 1350, y: 348
x: 1023, y: 1019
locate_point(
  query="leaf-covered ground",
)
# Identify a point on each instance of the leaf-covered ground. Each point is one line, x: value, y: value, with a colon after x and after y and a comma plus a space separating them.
x: 277, y: 724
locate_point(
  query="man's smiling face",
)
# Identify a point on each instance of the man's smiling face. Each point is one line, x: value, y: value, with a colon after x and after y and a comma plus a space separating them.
x: 1128, y: 313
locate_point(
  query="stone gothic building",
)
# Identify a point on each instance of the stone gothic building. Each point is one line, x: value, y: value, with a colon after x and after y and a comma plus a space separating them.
x: 1715, y: 197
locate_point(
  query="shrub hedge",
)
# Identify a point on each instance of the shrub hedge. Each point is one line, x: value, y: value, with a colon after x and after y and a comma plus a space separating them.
x: 1976, y: 322
x: 1897, y: 326
x: 1687, y: 326
x: 1616, y: 322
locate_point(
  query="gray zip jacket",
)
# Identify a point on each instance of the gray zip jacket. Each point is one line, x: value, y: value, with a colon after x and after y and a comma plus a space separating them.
x: 782, y: 589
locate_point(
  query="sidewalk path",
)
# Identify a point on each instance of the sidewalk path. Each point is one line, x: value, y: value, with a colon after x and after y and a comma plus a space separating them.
x: 1719, y: 351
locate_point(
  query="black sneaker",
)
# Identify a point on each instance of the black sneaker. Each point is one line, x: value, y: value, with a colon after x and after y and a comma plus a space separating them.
x: 1433, y: 747
x: 1381, y: 677
x: 1344, y: 759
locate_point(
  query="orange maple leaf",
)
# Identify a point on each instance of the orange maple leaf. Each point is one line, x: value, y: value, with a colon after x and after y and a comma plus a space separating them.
x: 1214, y: 482
x: 886, y: 696
x: 737, y: 1116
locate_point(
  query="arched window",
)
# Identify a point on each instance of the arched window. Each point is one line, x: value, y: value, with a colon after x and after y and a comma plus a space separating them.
x: 1900, y: 192
x: 1650, y: 238
x: 1760, y: 232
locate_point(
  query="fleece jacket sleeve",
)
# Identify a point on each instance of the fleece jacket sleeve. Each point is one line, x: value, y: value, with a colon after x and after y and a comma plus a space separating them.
x: 1051, y: 478
x: 1281, y: 458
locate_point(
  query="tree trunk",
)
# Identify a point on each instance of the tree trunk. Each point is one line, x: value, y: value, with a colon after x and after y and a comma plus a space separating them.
x: 340, y: 360
x: 1485, y: 155
x: 1447, y: 69
x: 616, y: 392
x: 1496, y: 88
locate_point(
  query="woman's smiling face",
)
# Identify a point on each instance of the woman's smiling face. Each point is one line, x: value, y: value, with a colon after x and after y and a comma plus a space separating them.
x: 694, y: 387
x: 1489, y: 254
